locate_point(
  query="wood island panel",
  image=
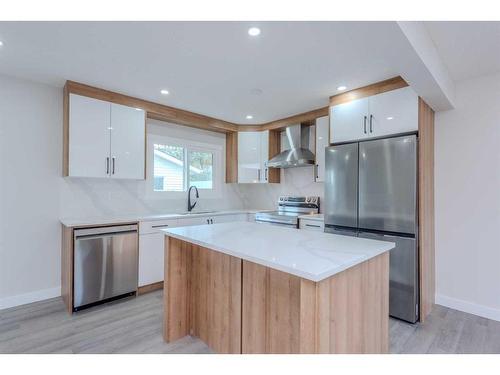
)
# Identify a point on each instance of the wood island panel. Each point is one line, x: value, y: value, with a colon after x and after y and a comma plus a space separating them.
x: 203, y: 296
x: 353, y: 309
x: 237, y: 306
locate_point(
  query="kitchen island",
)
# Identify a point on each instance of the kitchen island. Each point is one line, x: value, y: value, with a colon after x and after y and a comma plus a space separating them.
x: 255, y: 288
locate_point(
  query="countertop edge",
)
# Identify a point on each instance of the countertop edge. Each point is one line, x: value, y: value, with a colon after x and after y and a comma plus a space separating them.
x: 71, y: 223
x: 292, y: 271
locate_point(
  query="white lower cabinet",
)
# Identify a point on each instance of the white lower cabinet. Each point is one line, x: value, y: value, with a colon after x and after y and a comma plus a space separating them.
x: 307, y: 224
x: 151, y: 250
x: 152, y: 242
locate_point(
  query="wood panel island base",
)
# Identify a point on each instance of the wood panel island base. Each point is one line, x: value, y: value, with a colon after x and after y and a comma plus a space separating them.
x: 238, y: 306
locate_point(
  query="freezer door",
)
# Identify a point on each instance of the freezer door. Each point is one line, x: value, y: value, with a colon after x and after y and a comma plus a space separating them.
x: 105, y: 266
x: 341, y: 185
x: 388, y: 184
x: 403, y: 276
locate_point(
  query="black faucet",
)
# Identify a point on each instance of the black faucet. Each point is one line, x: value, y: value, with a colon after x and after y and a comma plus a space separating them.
x: 190, y: 207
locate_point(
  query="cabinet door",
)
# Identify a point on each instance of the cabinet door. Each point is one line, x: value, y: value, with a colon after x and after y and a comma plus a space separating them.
x: 322, y: 129
x: 151, y: 258
x: 315, y: 225
x: 249, y: 156
x: 264, y: 155
x: 349, y: 121
x: 89, y: 136
x: 393, y: 112
x: 200, y: 220
x: 229, y: 218
x: 128, y: 132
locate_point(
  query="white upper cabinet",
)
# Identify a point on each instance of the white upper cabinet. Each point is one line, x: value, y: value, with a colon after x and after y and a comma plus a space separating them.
x: 253, y: 152
x: 105, y: 139
x: 128, y: 137
x: 89, y: 137
x: 392, y: 112
x: 322, y: 132
x: 349, y: 121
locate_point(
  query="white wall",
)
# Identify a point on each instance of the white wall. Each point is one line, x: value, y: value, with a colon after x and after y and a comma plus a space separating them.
x: 30, y: 165
x: 467, y: 199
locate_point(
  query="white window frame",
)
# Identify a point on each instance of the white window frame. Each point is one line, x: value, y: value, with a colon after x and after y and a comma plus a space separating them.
x: 188, y: 145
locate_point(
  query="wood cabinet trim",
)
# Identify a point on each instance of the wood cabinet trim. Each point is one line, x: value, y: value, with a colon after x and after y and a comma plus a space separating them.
x: 426, y: 208
x: 153, y: 110
x: 370, y: 90
x: 232, y: 157
x: 67, y: 251
x: 149, y: 288
x: 273, y: 174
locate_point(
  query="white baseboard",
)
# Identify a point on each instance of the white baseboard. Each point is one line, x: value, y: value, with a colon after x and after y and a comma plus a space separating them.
x: 22, y: 299
x: 468, y: 307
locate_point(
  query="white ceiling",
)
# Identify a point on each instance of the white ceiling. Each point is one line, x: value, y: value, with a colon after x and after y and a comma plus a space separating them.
x: 468, y: 49
x: 213, y: 68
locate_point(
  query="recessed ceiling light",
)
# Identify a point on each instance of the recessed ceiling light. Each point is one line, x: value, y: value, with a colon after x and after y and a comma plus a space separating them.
x: 341, y: 88
x: 253, y: 31
x: 390, y: 118
x: 249, y: 117
x: 1, y: 43
x: 164, y: 92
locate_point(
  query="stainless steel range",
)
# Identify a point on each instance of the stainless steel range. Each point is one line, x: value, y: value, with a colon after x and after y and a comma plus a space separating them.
x: 289, y: 209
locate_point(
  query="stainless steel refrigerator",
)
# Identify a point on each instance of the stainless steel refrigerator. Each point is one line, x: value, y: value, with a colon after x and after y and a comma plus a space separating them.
x: 371, y: 192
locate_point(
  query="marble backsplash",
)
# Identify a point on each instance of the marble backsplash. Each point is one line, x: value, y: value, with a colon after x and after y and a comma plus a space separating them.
x: 87, y: 197
x: 294, y: 181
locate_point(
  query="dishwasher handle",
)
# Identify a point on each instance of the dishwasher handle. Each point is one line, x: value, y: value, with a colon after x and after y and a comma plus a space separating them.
x: 106, y: 231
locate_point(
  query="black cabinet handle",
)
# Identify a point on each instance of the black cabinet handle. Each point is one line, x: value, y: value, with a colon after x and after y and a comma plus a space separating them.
x: 364, y: 124
x: 113, y: 169
x: 107, y: 165
x: 371, y: 123
x: 314, y: 226
x: 208, y: 221
x: 211, y: 221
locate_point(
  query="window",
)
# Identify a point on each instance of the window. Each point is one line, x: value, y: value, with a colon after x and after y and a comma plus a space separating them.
x: 200, y: 169
x: 168, y: 167
x: 171, y: 173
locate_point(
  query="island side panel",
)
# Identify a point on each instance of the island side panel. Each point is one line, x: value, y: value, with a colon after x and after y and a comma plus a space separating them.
x: 216, y: 299
x: 177, y: 270
x: 353, y: 309
x: 278, y: 311
x: 202, y: 296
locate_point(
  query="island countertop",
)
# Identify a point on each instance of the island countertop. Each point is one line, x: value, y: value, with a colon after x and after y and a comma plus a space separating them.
x: 311, y: 255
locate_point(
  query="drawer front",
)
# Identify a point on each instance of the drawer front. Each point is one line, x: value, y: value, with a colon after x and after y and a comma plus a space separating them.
x: 149, y: 227
x: 311, y: 225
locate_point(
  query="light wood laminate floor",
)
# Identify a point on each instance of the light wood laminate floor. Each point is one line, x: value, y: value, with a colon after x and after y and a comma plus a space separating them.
x: 135, y: 326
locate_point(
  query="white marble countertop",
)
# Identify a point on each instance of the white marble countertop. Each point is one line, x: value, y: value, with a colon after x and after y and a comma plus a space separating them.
x: 308, y: 254
x: 316, y: 217
x: 117, y: 219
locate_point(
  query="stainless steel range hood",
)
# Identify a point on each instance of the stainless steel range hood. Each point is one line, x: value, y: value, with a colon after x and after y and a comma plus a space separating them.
x: 297, y: 155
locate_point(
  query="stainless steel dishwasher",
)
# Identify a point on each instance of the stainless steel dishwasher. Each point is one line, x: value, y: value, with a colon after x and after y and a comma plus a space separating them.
x: 105, y: 265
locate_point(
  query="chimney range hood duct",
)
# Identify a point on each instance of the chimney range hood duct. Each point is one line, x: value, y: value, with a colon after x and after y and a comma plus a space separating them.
x: 297, y: 155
